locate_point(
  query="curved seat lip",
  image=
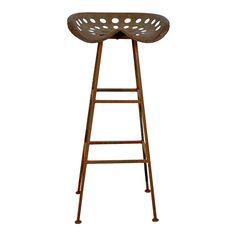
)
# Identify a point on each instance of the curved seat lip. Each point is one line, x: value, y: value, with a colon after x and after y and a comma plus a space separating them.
x: 151, y: 37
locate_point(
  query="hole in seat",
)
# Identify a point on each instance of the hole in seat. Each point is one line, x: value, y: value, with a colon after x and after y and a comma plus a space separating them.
x: 92, y: 20
x: 138, y: 20
x: 127, y: 20
x: 153, y: 21
x: 102, y: 20
x: 115, y: 20
x: 158, y: 22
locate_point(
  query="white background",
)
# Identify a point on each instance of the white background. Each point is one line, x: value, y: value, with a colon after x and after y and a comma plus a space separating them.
x: 189, y: 87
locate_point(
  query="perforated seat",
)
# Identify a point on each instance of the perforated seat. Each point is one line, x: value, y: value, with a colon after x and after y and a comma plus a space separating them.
x: 97, y: 27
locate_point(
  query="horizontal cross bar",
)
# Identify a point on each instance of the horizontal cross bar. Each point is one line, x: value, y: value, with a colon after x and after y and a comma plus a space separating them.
x: 117, y: 101
x: 117, y: 142
x: 117, y: 90
x: 115, y: 161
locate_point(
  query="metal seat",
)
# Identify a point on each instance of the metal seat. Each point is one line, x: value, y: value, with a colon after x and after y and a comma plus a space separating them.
x: 97, y: 27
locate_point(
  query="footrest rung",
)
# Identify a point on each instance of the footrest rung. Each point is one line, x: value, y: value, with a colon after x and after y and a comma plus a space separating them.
x: 117, y: 142
x: 117, y: 90
x: 115, y: 161
x: 117, y: 101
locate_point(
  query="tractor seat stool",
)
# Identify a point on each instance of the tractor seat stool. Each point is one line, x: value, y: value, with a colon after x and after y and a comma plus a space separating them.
x: 95, y: 28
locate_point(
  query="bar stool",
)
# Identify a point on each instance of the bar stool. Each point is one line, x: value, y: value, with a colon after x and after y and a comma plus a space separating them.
x: 95, y: 28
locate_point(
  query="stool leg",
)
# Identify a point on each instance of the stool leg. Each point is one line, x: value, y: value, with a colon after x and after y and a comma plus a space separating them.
x: 86, y: 134
x: 146, y: 144
x: 147, y: 190
x: 88, y: 130
x: 80, y: 174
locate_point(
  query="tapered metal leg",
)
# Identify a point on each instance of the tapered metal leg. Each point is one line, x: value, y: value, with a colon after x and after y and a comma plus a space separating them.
x: 146, y: 144
x: 147, y: 190
x: 88, y: 130
x: 86, y: 134
x: 80, y: 174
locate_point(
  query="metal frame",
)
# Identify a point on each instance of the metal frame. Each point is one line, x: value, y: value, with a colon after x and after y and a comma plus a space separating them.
x: 143, y: 126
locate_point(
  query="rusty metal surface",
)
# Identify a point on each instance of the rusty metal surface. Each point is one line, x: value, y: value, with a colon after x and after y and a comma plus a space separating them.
x: 146, y: 161
x: 94, y: 27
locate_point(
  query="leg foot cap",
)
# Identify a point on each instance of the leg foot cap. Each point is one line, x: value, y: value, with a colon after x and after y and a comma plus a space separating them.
x: 78, y: 221
x: 147, y: 190
x: 77, y: 192
x: 155, y: 219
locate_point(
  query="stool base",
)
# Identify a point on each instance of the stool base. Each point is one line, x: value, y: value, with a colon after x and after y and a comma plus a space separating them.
x: 146, y: 161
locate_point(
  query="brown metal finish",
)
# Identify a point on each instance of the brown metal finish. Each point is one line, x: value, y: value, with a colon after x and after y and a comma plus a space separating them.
x: 117, y: 142
x: 88, y: 129
x: 115, y: 161
x: 146, y: 146
x: 96, y: 27
x: 117, y: 101
x: 147, y: 190
x: 144, y: 136
x: 117, y: 90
